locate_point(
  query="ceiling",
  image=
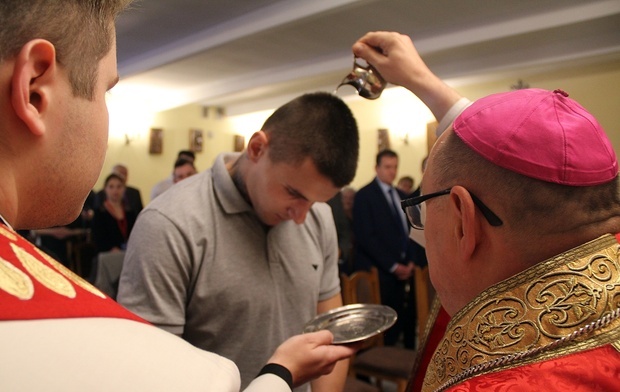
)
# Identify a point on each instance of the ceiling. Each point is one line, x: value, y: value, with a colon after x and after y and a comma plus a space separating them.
x: 251, y: 54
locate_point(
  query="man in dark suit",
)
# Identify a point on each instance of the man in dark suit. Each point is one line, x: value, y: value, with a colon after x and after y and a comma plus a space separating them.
x: 382, y: 240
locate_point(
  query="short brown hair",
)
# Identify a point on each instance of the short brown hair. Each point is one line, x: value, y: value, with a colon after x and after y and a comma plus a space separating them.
x: 385, y: 153
x: 82, y: 31
x: 319, y: 126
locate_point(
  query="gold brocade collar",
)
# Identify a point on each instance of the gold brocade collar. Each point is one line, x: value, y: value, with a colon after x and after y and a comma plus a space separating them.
x: 563, y: 305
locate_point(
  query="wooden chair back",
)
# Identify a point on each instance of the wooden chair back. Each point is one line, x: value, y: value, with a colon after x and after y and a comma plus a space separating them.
x: 361, y: 287
x: 377, y: 361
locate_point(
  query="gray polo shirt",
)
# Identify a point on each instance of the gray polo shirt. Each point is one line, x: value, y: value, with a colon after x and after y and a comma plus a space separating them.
x: 201, y: 265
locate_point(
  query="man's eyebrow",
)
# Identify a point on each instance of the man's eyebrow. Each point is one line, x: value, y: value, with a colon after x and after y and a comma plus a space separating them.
x: 296, y: 193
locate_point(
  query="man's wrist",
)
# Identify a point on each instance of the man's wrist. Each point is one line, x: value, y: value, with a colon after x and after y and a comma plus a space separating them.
x: 278, y: 370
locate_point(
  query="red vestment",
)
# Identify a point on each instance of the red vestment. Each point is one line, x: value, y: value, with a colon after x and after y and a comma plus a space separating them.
x: 34, y: 286
x: 552, y: 327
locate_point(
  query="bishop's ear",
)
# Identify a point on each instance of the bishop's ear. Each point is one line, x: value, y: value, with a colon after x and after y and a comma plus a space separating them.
x: 34, y: 75
x: 466, y: 228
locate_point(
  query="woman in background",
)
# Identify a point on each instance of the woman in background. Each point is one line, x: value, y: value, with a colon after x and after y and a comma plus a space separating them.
x: 112, y: 222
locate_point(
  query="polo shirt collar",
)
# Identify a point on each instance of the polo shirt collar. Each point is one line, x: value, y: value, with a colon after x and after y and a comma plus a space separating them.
x: 227, y: 193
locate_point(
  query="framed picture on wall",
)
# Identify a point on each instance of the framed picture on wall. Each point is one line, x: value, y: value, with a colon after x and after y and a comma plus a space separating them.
x: 239, y: 144
x: 383, y: 139
x: 195, y: 140
x: 156, y: 141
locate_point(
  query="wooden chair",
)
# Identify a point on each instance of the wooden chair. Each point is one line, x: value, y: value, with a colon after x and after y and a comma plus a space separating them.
x: 379, y: 362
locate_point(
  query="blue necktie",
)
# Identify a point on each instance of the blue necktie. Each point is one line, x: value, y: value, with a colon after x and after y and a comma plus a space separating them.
x: 391, y: 193
x: 394, y: 204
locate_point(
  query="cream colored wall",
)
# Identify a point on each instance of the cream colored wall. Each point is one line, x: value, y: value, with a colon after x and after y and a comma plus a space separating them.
x: 145, y: 169
x: 403, y: 115
x: 397, y: 110
x: 596, y: 89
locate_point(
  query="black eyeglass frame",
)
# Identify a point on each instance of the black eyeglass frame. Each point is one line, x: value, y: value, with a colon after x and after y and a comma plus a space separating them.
x: 489, y: 215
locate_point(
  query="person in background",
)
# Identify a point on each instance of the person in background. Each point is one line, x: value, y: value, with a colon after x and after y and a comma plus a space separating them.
x: 342, y: 211
x: 419, y: 255
x: 419, y: 251
x: 405, y: 185
x: 247, y: 251
x: 112, y: 222
x: 382, y: 241
x: 167, y: 182
x: 132, y: 198
x: 416, y: 192
x: 57, y: 61
x: 520, y: 207
x: 348, y: 197
x: 182, y: 170
x: 60, y: 241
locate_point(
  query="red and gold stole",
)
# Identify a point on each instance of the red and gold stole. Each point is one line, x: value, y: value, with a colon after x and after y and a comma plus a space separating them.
x: 35, y: 286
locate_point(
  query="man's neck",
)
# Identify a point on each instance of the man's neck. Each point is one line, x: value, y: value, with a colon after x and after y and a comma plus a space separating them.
x: 236, y: 169
x: 383, y: 184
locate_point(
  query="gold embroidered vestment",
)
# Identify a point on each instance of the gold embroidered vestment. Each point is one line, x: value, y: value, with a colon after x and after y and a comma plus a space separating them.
x: 563, y: 305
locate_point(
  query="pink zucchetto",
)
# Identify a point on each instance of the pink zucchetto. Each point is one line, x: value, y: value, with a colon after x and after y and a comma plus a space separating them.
x: 540, y: 134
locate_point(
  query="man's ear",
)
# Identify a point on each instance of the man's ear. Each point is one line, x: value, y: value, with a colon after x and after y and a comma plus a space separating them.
x: 33, y: 77
x: 257, y: 146
x: 466, y: 230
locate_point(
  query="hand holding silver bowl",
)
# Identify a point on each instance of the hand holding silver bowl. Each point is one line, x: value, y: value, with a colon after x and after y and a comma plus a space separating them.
x: 354, y: 323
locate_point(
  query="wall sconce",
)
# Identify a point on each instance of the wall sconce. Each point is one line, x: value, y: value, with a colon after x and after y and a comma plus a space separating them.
x: 130, y: 136
x: 406, y: 139
x: 520, y: 85
x: 129, y: 121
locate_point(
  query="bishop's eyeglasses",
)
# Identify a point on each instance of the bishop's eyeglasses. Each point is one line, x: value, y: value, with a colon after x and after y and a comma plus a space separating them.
x: 415, y: 209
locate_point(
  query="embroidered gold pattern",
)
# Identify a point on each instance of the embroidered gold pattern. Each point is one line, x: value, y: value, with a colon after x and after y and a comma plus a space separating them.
x: 19, y: 284
x: 44, y: 274
x: 532, y: 309
x: 7, y: 233
x: 14, y: 281
x: 71, y: 275
x: 432, y: 318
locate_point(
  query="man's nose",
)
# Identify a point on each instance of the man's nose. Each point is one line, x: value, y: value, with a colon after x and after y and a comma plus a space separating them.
x: 299, y: 211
